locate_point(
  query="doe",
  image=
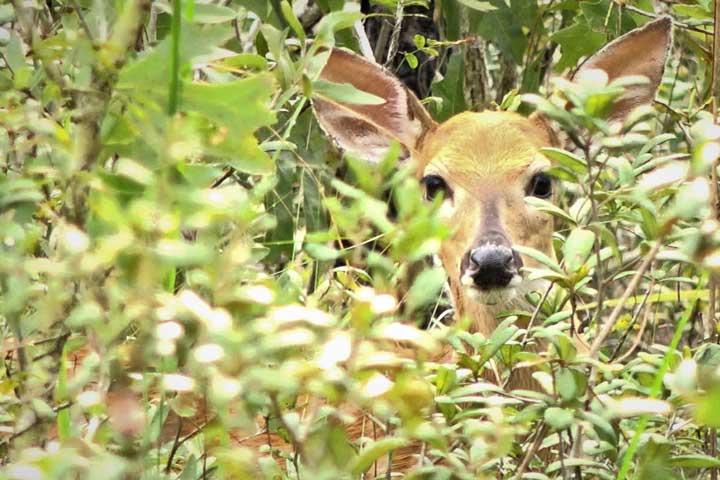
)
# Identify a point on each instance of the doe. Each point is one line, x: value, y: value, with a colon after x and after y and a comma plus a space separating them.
x: 484, y: 164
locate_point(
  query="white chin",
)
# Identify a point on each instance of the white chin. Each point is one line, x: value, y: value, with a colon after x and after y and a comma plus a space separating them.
x: 498, y: 298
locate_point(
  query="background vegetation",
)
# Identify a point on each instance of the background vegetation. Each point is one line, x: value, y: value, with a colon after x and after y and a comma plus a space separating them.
x: 184, y: 256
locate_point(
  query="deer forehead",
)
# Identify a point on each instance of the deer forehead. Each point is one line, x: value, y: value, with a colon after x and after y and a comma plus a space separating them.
x: 484, y: 150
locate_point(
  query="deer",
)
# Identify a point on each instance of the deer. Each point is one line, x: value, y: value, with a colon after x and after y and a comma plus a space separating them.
x: 483, y: 164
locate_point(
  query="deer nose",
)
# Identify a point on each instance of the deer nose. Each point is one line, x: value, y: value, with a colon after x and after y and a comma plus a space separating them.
x: 492, y: 266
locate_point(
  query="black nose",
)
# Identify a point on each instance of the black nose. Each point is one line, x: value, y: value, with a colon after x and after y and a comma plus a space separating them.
x: 491, y: 266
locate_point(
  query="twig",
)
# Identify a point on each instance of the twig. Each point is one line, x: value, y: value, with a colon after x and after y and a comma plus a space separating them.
x: 709, y: 322
x: 395, y: 37
x: 176, y: 35
x: 363, y: 41
x: 615, y: 315
x: 221, y: 179
x: 297, y: 444
x: 675, y: 22
x: 539, y: 436
x: 641, y: 329
x: 32, y: 344
x: 530, y: 324
x: 176, y: 445
x: 83, y: 23
x: 535, y: 314
x: 655, y: 390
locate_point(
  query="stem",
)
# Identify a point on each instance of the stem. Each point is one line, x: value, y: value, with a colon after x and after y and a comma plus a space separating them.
x: 709, y: 324
x: 539, y: 436
x: 395, y: 37
x: 655, y: 390
x: 615, y: 315
x: 715, y: 91
x: 176, y: 30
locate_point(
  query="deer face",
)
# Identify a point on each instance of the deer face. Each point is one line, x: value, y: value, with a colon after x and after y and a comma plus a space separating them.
x: 484, y: 165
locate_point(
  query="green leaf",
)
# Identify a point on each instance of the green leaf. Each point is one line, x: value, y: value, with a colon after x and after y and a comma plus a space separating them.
x: 334, y: 21
x: 292, y: 20
x: 504, y: 25
x: 7, y: 13
x: 706, y: 411
x: 246, y: 60
x: 450, y: 89
x: 602, y: 427
x: 577, y: 248
x: 426, y: 288
x: 549, y: 207
x: 565, y: 384
x: 558, y: 418
x: 576, y: 41
x: 321, y: 252
x: 209, y: 13
x: 695, y: 461
x: 500, y: 336
x: 345, y: 93
x: 151, y: 71
x: 205, y: 12
x: 241, y: 106
x: 693, y: 11
x: 191, y: 470
x: 539, y: 257
x: 565, y: 159
x: 374, y: 451
x: 411, y: 60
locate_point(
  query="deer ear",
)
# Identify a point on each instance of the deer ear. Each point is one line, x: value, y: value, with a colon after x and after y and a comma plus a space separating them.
x: 642, y: 51
x: 368, y: 130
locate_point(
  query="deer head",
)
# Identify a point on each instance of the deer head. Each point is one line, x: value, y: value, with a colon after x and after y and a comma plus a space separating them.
x: 483, y: 164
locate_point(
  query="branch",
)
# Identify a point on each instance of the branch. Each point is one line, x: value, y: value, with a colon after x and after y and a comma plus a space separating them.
x: 395, y: 37
x: 615, y: 315
x: 539, y: 436
x: 674, y: 21
x: 27, y: 21
x: 363, y: 41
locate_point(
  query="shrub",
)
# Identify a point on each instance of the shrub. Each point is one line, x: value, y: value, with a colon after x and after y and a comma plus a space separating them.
x: 188, y: 265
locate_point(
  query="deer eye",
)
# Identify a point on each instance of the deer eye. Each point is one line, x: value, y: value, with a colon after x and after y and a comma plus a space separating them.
x: 540, y: 185
x: 434, y: 186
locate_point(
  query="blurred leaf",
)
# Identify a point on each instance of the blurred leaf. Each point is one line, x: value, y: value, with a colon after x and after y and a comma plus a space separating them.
x: 375, y: 450
x: 695, y: 461
x: 558, y: 418
x: 426, y: 288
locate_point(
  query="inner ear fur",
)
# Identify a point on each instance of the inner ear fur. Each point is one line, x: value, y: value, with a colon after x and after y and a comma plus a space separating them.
x: 368, y: 130
x: 642, y: 51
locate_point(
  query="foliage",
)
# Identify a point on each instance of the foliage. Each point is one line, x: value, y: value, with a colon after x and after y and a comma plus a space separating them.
x: 187, y: 264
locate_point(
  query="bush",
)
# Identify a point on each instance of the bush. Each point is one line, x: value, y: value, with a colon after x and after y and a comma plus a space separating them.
x: 195, y: 284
